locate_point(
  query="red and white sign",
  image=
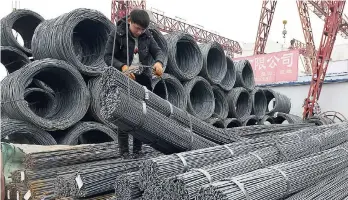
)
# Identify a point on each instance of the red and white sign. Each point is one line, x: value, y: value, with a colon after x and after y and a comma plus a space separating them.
x: 274, y: 67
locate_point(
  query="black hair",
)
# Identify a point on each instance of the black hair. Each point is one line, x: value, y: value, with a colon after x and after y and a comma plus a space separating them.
x: 140, y: 17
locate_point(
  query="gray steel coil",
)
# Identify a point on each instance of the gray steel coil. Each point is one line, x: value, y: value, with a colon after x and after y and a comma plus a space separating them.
x: 200, y: 98
x: 78, y: 37
x: 170, y: 88
x: 185, y: 59
x: 229, y: 79
x: 217, y: 122
x: 99, y: 133
x: 221, y: 103
x: 266, y: 120
x: 240, y: 103
x: 214, y: 62
x: 146, y: 124
x: 12, y: 58
x: 251, y: 120
x: 162, y: 44
x: 113, y: 78
x: 16, y: 131
x: 319, y: 120
x: 259, y: 102
x: 127, y: 186
x: 244, y: 75
x: 232, y: 122
x: 281, y: 103
x: 24, y: 22
x: 281, y: 118
x: 41, y: 101
x: 71, y: 92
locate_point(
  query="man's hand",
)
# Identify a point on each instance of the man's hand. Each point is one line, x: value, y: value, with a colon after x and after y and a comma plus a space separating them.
x: 125, y: 69
x: 158, y: 68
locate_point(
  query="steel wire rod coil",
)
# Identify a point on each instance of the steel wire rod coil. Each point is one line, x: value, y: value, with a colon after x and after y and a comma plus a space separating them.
x: 71, y: 92
x: 232, y: 122
x: 114, y: 78
x: 281, y: 118
x: 200, y: 98
x: 127, y: 186
x: 244, y: 75
x: 251, y: 120
x: 12, y: 58
x: 217, y: 122
x: 221, y: 104
x: 78, y: 37
x: 41, y: 101
x: 278, y: 181
x: 97, y: 132
x: 24, y: 22
x: 214, y: 62
x: 16, y: 131
x: 168, y: 87
x: 185, y: 59
x: 162, y: 44
x: 319, y: 120
x: 266, y: 120
x: 154, y: 170
x: 239, y: 103
x: 281, y: 103
x: 229, y: 79
x: 259, y: 103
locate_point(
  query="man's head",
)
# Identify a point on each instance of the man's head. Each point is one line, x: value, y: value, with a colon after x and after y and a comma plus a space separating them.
x: 139, y: 20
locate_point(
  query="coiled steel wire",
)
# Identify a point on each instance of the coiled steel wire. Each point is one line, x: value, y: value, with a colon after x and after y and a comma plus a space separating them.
x: 168, y: 87
x: 281, y: 103
x: 229, y: 79
x: 24, y: 22
x: 113, y: 78
x: 42, y: 102
x: 259, y: 103
x: 251, y: 120
x: 232, y: 122
x: 162, y: 44
x: 71, y: 92
x: 78, y: 37
x: 266, y: 120
x: 127, y: 186
x: 217, y: 122
x: 239, y: 103
x: 98, y: 133
x: 12, y: 58
x: 319, y: 120
x: 185, y: 59
x: 221, y: 104
x: 16, y: 131
x: 214, y: 62
x: 278, y: 181
x: 244, y: 75
x: 281, y: 118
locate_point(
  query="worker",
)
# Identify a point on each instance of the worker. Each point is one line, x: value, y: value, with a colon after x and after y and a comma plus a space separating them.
x: 141, y: 45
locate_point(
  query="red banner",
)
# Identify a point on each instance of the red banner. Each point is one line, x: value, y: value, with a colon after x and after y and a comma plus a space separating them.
x: 274, y: 67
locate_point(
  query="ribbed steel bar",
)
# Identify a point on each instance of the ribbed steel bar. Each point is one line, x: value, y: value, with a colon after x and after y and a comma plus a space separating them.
x: 127, y: 186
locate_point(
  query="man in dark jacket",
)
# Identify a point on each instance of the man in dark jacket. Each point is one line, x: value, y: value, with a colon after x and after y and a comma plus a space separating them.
x: 141, y: 45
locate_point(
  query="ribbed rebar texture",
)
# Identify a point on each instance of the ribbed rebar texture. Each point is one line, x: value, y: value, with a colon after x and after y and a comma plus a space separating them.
x: 96, y: 132
x: 168, y: 87
x: 221, y: 104
x: 259, y: 103
x: 266, y: 120
x: 214, y: 62
x: 251, y: 120
x: 24, y: 22
x: 127, y: 186
x: 69, y: 88
x: 217, y: 122
x: 200, y: 98
x: 229, y: 79
x: 16, y: 131
x: 283, y: 118
x: 232, y: 122
x: 78, y: 37
x: 244, y: 75
x: 185, y: 59
x: 239, y: 103
x: 162, y: 43
x: 12, y: 58
x: 280, y: 102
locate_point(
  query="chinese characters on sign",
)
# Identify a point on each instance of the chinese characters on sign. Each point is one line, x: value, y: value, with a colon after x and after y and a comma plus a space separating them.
x: 274, y: 67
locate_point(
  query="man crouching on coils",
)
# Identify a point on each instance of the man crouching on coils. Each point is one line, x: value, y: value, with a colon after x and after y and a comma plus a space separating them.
x: 141, y: 45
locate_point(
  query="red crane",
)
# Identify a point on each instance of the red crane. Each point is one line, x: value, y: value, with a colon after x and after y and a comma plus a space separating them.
x: 167, y: 24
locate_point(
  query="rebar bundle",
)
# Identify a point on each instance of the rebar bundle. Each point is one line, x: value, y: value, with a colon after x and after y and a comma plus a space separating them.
x: 110, y: 196
x: 214, y: 62
x: 232, y: 122
x: 221, y: 104
x: 71, y: 93
x: 161, y: 42
x: 24, y: 22
x: 127, y: 186
x: 185, y: 59
x: 259, y: 103
x: 281, y: 118
x: 78, y: 37
x: 282, y: 102
x: 16, y: 131
x: 168, y: 87
x: 251, y: 120
x: 229, y: 79
x: 217, y: 122
x: 239, y: 102
x: 12, y: 58
x: 244, y: 75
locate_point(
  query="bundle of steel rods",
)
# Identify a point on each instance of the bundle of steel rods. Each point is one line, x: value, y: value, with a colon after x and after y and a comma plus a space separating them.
x: 127, y: 186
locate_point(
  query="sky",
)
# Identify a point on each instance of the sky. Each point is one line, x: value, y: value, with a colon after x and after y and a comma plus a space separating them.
x: 234, y: 19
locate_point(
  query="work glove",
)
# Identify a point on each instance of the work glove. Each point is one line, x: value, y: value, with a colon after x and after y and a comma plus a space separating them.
x: 125, y: 69
x: 158, y: 69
